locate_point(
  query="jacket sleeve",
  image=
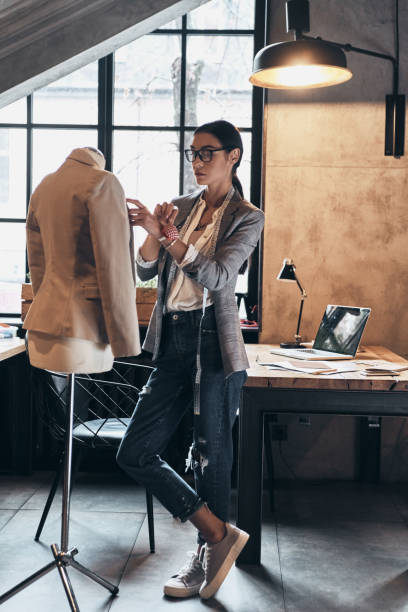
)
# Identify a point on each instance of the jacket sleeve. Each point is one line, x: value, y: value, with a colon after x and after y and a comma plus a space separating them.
x: 112, y: 247
x: 35, y: 250
x: 146, y: 270
x: 219, y: 270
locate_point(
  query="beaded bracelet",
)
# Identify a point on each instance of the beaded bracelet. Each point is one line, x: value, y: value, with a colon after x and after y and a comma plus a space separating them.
x: 170, y: 232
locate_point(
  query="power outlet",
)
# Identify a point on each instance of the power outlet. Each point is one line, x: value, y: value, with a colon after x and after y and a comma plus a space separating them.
x: 279, y: 432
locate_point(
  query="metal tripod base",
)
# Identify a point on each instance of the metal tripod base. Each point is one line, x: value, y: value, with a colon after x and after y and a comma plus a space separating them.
x: 61, y: 561
x: 64, y: 557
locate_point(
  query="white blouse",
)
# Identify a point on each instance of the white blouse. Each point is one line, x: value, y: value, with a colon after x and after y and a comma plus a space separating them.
x: 186, y: 294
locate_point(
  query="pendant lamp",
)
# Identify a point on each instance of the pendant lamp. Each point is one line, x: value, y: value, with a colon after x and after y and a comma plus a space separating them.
x: 308, y: 62
x: 298, y: 64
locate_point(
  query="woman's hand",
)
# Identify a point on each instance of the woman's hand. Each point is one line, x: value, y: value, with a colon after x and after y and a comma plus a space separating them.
x: 140, y: 216
x: 166, y: 213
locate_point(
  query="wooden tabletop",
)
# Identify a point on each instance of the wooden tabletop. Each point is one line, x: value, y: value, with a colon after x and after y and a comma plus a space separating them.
x: 11, y: 347
x: 262, y: 376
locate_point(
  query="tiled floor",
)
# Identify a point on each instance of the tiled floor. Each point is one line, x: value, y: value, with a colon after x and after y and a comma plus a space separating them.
x: 328, y: 546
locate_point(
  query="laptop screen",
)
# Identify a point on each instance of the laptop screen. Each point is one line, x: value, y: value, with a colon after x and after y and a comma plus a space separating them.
x: 341, y: 329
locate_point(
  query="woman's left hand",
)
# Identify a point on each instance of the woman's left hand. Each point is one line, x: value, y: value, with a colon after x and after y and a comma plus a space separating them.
x: 166, y: 213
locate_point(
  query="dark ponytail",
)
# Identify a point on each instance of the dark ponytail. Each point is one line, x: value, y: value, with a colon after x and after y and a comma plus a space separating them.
x: 230, y: 138
x: 237, y: 184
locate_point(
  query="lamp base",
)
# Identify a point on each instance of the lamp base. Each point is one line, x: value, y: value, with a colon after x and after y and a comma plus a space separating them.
x: 291, y: 345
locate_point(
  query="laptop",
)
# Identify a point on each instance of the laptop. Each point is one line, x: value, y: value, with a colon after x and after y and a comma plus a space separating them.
x: 338, y: 335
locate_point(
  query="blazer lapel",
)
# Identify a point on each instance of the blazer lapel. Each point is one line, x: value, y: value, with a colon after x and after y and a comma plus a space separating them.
x: 167, y: 265
x: 186, y: 208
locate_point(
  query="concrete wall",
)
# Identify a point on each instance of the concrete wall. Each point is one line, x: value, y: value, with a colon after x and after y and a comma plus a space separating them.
x: 43, y: 40
x: 337, y: 206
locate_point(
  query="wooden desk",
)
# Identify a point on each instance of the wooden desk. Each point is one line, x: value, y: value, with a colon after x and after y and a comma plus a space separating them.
x: 9, y: 348
x: 15, y: 404
x: 272, y: 391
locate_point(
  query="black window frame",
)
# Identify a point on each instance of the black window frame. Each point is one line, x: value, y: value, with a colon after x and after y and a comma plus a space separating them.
x: 105, y: 126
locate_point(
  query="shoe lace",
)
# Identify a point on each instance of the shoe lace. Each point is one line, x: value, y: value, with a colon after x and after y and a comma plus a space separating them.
x: 206, y: 558
x: 191, y: 566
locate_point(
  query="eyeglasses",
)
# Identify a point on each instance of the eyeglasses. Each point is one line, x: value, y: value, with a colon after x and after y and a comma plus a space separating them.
x: 204, y: 154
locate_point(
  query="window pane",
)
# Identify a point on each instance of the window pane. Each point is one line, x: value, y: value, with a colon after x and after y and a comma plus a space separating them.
x: 147, y: 81
x: 12, y: 265
x: 14, y: 113
x: 13, y: 147
x: 223, y: 15
x: 172, y: 25
x: 51, y: 147
x: 217, y: 82
x: 147, y: 165
x: 72, y: 99
x: 242, y: 287
x: 244, y: 170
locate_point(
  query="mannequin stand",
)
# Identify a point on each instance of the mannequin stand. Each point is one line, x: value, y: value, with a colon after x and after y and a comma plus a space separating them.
x: 62, y: 556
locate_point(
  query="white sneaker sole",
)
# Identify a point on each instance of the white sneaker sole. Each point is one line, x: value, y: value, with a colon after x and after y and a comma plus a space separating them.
x: 212, y: 587
x: 180, y: 592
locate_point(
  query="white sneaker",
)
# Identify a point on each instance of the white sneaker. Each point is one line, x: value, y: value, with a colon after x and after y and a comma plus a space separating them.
x: 188, y: 580
x: 219, y: 558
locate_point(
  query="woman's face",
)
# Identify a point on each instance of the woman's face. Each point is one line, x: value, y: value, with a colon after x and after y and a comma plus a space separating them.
x: 219, y: 168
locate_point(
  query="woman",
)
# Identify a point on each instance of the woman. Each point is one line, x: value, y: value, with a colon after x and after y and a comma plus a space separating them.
x: 196, y: 245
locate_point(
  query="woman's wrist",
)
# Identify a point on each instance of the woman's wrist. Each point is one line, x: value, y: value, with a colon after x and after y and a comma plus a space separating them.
x: 168, y: 245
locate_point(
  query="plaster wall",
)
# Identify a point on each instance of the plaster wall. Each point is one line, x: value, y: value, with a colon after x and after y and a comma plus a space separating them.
x: 336, y: 205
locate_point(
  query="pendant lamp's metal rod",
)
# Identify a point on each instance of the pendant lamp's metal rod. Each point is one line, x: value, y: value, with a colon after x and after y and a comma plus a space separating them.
x: 394, y: 103
x: 298, y: 21
x: 348, y: 47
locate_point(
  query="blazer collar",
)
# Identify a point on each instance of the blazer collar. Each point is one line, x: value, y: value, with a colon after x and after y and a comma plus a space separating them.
x: 88, y: 157
x: 227, y: 217
x: 184, y: 211
x: 229, y: 214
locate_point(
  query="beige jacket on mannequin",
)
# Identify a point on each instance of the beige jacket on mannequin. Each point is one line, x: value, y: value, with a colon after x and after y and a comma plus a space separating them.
x: 80, y: 254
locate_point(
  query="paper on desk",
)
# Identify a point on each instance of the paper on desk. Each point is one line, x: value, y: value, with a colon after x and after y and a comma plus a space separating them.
x: 311, y: 367
x: 385, y: 371
x: 7, y: 331
x: 383, y: 368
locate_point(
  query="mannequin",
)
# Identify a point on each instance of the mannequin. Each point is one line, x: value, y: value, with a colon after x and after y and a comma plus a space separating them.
x: 80, y: 253
x: 68, y: 354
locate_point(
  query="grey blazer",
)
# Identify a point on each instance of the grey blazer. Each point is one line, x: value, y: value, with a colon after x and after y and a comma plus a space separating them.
x: 240, y: 230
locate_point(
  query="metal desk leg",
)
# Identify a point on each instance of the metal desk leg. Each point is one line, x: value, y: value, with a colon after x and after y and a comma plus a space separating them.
x: 369, y: 451
x: 249, y: 498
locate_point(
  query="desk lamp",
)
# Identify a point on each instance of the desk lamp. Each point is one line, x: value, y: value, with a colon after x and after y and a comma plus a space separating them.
x: 288, y: 274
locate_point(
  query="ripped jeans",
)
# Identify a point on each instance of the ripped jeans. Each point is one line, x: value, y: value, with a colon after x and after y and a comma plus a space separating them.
x: 162, y: 403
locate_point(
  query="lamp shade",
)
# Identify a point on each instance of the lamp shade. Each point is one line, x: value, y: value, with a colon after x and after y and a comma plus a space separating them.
x: 300, y: 64
x: 287, y: 272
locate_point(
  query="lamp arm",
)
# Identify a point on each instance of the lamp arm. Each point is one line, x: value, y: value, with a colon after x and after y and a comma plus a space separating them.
x: 302, y: 299
x: 303, y: 292
x: 348, y: 47
x: 395, y: 103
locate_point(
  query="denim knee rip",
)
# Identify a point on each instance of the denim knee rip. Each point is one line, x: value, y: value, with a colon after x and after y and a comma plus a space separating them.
x: 145, y: 390
x: 197, y: 456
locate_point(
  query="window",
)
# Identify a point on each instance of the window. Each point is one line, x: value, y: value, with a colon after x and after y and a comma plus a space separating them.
x: 162, y: 86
